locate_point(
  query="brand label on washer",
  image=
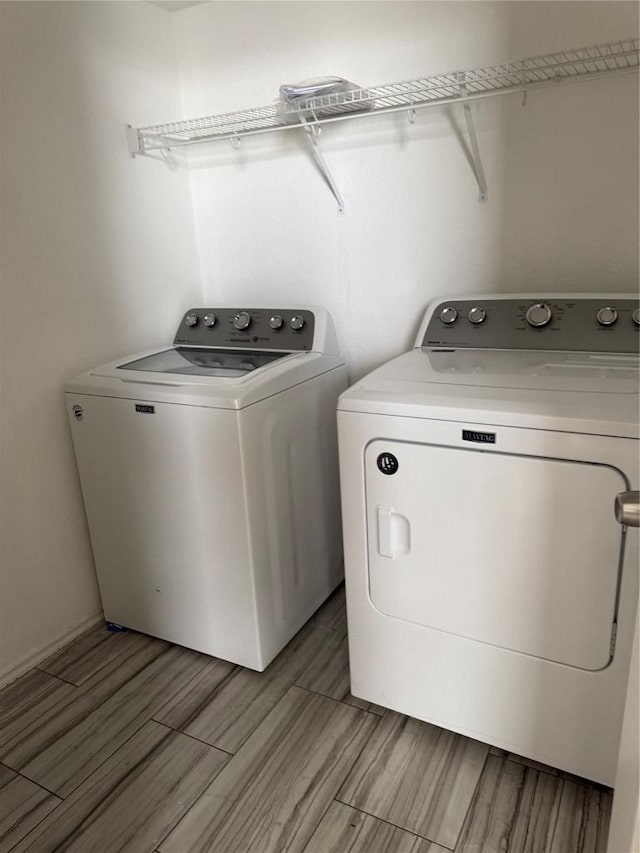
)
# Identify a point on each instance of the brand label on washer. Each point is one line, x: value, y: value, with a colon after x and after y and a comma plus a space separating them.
x: 481, y: 437
x: 387, y: 463
x: 78, y: 412
x: 145, y: 409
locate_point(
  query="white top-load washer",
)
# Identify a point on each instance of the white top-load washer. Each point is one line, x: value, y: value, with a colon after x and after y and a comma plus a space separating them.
x: 210, y: 479
x: 490, y: 588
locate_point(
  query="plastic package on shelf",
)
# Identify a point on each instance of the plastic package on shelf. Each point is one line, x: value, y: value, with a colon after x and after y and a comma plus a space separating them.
x: 317, y: 97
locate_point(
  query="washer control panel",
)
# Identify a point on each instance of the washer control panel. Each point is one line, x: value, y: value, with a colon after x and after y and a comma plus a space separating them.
x: 588, y: 324
x: 248, y: 328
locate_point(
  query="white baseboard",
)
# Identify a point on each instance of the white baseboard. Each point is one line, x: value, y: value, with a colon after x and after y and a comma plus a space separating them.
x: 15, y: 670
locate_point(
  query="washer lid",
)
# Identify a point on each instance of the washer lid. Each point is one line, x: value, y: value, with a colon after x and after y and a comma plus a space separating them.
x: 173, y: 375
x: 202, y: 361
x: 573, y: 392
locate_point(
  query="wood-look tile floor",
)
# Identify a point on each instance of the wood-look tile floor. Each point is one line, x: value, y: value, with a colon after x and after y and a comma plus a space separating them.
x: 122, y: 742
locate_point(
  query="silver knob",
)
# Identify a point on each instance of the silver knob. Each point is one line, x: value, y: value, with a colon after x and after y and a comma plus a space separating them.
x: 449, y: 314
x: 627, y: 508
x: 242, y: 320
x: 636, y: 316
x: 477, y: 315
x: 607, y: 316
x: 209, y: 320
x: 539, y: 315
x: 276, y: 321
x: 191, y: 319
x: 296, y: 322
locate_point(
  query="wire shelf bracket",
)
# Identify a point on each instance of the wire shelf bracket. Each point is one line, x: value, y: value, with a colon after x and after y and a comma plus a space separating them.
x: 579, y: 64
x: 478, y: 169
x: 312, y: 134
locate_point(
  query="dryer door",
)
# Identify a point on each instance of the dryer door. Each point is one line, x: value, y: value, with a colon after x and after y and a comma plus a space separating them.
x: 519, y: 552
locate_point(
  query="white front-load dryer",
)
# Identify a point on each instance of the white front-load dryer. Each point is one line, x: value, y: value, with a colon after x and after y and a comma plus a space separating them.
x: 491, y: 589
x: 210, y: 480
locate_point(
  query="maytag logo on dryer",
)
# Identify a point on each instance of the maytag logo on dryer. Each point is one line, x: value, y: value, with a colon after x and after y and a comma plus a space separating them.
x: 479, y: 437
x: 145, y: 409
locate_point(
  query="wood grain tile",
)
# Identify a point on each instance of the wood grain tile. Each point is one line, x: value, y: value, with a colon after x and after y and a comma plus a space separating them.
x: 227, y: 716
x: 90, y: 653
x: 536, y: 765
x: 142, y: 787
x: 346, y: 830
x: 273, y: 793
x: 333, y: 613
x: 364, y: 705
x: 77, y: 750
x: 416, y: 776
x: 185, y: 708
x: 22, y: 806
x: 521, y: 759
x: 225, y: 711
x: 328, y: 671
x: 528, y: 762
x: 524, y: 810
x: 27, y: 699
x: 6, y: 775
x: 583, y: 815
x: 50, y: 722
x: 134, y: 799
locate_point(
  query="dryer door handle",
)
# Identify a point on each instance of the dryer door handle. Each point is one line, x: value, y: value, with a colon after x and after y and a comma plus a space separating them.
x: 627, y: 508
x: 394, y: 532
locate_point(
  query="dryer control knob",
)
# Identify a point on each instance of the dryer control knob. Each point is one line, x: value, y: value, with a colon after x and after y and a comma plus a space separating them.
x: 276, y: 322
x: 607, y: 316
x: 296, y: 322
x: 539, y: 315
x: 242, y: 320
x: 477, y: 315
x: 209, y: 320
x: 449, y: 314
x: 636, y: 316
x: 191, y: 319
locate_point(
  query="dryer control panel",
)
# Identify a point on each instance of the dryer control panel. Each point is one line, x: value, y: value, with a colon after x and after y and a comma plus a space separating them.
x: 247, y: 328
x: 581, y: 324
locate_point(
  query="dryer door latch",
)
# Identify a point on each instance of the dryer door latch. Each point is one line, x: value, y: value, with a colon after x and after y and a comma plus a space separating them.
x: 627, y: 508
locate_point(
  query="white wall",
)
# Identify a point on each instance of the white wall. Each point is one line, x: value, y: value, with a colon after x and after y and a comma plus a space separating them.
x: 571, y: 159
x: 98, y: 259
x: 562, y: 172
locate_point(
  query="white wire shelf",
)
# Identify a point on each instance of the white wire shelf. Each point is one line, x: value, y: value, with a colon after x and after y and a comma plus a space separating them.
x: 459, y: 86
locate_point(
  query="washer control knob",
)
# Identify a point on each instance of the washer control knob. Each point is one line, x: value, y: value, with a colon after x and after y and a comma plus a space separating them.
x: 276, y: 322
x: 191, y: 319
x: 539, y: 315
x: 449, y: 315
x: 607, y: 316
x: 209, y: 320
x: 242, y: 320
x: 477, y: 315
x: 296, y: 322
x: 636, y: 316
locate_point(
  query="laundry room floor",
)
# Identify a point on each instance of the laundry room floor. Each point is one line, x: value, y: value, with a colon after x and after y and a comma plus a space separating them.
x: 122, y: 742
